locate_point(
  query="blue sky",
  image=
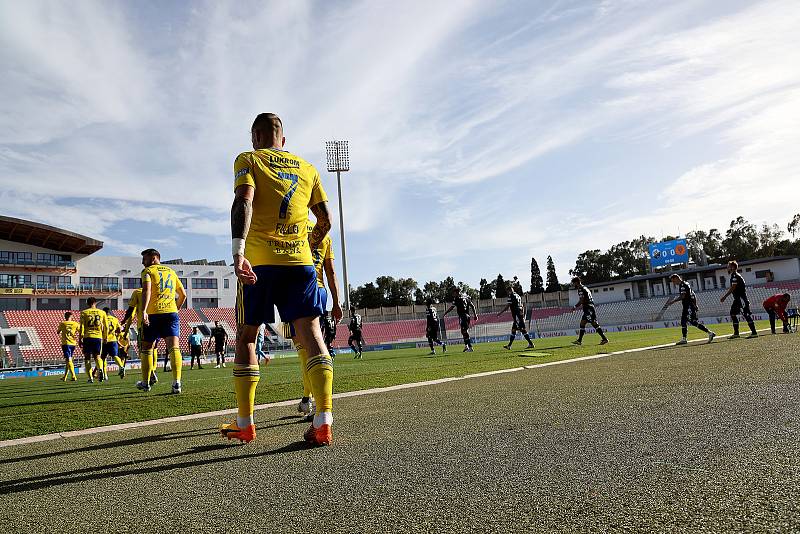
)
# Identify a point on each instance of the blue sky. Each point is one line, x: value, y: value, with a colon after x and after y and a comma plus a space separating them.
x: 481, y: 133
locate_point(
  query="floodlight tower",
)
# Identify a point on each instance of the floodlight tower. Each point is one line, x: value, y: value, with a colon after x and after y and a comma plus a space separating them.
x: 338, y: 158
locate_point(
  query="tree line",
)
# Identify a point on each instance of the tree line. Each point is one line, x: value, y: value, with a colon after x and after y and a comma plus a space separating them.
x: 741, y: 241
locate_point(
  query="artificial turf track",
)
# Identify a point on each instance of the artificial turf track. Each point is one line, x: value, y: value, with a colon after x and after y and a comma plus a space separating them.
x: 48, y: 405
x: 694, y: 438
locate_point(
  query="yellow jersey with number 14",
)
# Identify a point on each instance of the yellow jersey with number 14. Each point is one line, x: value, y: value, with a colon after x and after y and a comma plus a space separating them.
x: 69, y: 332
x: 164, y: 284
x: 286, y: 186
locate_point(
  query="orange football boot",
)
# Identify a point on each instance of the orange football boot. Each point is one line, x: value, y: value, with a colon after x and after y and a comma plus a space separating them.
x: 319, y: 436
x: 245, y: 435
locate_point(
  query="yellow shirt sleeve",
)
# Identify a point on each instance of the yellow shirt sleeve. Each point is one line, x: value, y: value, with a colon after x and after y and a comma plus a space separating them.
x: 317, y: 192
x: 243, y: 171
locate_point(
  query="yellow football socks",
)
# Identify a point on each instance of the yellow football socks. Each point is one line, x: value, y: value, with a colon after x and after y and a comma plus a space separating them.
x: 87, y: 363
x: 105, y: 367
x: 245, y: 380
x: 119, y: 362
x: 147, y: 363
x: 70, y: 370
x: 320, y: 375
x: 302, y: 355
x: 98, y: 363
x: 177, y: 363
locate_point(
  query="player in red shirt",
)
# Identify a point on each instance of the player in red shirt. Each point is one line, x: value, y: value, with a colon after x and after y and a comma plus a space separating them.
x: 776, y: 307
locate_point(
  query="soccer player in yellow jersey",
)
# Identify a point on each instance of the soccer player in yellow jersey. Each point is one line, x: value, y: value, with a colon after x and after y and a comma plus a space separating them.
x: 92, y: 334
x: 162, y: 295
x: 123, y: 340
x: 111, y: 345
x: 274, y: 190
x: 68, y: 330
x: 323, y: 263
x: 135, y: 311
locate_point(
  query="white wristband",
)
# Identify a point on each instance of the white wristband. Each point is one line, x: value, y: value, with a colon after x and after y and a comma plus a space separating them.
x: 237, y: 246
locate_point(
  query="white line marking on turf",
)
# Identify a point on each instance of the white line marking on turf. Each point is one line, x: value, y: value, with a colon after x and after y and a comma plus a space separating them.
x: 398, y: 387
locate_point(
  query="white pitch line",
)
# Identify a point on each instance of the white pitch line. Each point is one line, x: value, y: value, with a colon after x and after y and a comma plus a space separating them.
x: 398, y: 387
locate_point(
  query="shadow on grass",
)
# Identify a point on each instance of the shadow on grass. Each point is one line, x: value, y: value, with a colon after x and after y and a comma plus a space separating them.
x: 128, y: 468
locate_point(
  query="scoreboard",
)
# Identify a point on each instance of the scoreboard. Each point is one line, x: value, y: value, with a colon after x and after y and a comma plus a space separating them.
x: 668, y: 253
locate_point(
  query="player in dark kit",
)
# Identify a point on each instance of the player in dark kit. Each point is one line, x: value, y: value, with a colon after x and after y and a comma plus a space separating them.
x: 329, y: 332
x: 463, y: 305
x: 432, y: 327
x: 518, y: 316
x: 586, y: 302
x: 355, y: 334
x: 689, y: 314
x: 741, y: 305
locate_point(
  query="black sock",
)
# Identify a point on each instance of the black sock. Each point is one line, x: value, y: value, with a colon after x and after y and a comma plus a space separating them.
x: 683, y: 331
x: 511, y: 339
x: 431, y: 344
x: 527, y: 338
x: 736, y: 327
x: 702, y: 327
x: 752, y: 326
x: 580, y: 333
x: 600, y: 331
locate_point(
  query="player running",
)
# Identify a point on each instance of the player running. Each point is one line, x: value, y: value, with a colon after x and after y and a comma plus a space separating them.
x: 586, y: 303
x: 92, y: 334
x: 68, y: 330
x: 518, y: 317
x: 110, y: 345
x: 775, y: 306
x: 432, y: 328
x: 463, y: 304
x: 219, y: 336
x: 162, y: 296
x: 271, y: 248
x: 356, y: 334
x: 689, y: 314
x: 741, y: 304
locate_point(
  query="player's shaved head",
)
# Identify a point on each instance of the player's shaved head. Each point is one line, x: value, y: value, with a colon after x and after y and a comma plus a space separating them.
x: 268, y: 123
x: 67, y: 315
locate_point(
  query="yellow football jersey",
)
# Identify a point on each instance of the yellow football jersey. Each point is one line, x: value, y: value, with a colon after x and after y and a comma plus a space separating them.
x: 136, y: 303
x: 323, y: 252
x: 112, y: 323
x: 93, y: 322
x: 69, y: 332
x: 123, y: 340
x: 286, y: 186
x: 164, y: 284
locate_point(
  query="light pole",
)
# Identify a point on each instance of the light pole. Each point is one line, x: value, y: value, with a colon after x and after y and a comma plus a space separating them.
x: 338, y: 158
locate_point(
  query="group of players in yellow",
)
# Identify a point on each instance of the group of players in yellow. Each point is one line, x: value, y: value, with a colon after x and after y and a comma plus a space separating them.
x: 101, y: 336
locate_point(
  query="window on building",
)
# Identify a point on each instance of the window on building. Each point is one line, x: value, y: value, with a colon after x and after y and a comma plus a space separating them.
x: 7, y: 256
x: 204, y: 283
x: 52, y: 259
x: 14, y: 304
x: 226, y: 283
x: 100, y: 281
x: 131, y: 283
x: 53, y: 304
x: 184, y: 282
x: 205, y: 303
x: 48, y: 280
x: 15, y: 280
x: 763, y: 274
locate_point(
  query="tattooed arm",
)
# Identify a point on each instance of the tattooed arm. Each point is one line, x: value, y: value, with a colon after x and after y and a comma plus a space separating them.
x: 323, y: 225
x: 241, y: 215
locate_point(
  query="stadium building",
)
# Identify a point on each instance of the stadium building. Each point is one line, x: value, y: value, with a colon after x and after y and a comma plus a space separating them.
x: 47, y: 268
